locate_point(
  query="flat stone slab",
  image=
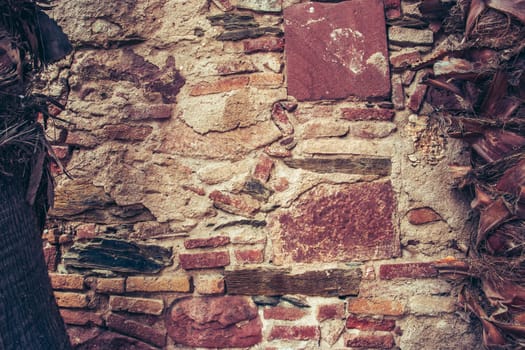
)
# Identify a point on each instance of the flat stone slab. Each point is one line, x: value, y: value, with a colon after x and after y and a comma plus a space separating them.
x: 333, y: 223
x: 334, y: 51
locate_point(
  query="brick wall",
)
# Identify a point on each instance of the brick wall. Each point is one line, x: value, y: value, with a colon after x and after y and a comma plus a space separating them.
x: 252, y: 174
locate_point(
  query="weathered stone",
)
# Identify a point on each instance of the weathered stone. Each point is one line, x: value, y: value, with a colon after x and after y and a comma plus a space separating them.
x: 294, y: 333
x: 117, y: 255
x: 350, y: 165
x: 145, y: 112
x: 266, y: 80
x: 356, y: 114
x: 376, y: 306
x: 81, y: 335
x: 370, y: 340
x: 136, y: 305
x: 217, y: 322
x: 417, y: 97
x: 67, y: 281
x: 404, y: 59
x: 51, y: 257
x: 371, y: 130
x: 178, y: 283
x: 392, y: 8
x: 218, y: 86
x: 110, y: 285
x: 283, y: 313
x: 370, y: 324
x: 331, y: 331
x: 81, y: 317
x: 410, y: 36
x: 136, y: 329
x: 330, y: 128
x: 71, y: 300
x: 263, y: 169
x: 334, y: 51
x: 260, y: 5
x: 420, y: 216
x: 124, y: 132
x: 337, y: 223
x: 266, y: 300
x: 86, y: 231
x: 235, y: 67
x: 296, y: 300
x: 213, y: 242
x: 398, y: 93
x: 407, y: 270
x: 82, y: 139
x: 246, y: 33
x: 281, y: 120
x: 263, y: 44
x: 330, y: 311
x: 431, y: 305
x: 249, y: 256
x: 209, y: 284
x: 235, y: 204
x: 204, y: 260
x: 264, y: 281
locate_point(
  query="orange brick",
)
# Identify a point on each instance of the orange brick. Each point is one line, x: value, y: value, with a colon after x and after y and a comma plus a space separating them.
x: 67, y: 281
x: 110, y: 285
x: 218, y: 86
x: 71, y: 300
x: 158, y: 284
x: 376, y: 307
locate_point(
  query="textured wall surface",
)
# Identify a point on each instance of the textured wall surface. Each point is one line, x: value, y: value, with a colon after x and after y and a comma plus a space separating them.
x: 251, y: 174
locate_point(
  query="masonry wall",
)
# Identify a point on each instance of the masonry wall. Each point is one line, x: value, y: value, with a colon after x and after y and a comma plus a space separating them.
x: 252, y: 174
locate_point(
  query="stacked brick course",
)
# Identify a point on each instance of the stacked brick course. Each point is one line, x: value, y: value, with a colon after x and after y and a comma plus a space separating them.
x: 251, y: 174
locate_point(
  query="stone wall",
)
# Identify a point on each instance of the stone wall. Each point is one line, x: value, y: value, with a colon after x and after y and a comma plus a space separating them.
x: 252, y: 174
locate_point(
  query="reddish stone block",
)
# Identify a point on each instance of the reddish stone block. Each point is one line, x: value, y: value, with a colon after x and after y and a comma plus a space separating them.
x: 67, y: 281
x: 221, y: 85
x: 204, y: 260
x: 355, y: 114
x: 61, y: 152
x: 212, y: 242
x: 251, y: 256
x: 404, y: 60
x: 263, y: 44
x: 370, y: 324
x: 283, y: 313
x: 236, y: 67
x: 209, y: 284
x: 235, y: 204
x: 294, y: 333
x: 334, y: 51
x: 331, y: 312
x: 370, y: 340
x: 336, y: 223
x: 417, y: 97
x: 123, y: 132
x: 86, y: 231
x: 136, y: 329
x: 109, y: 285
x: 215, y: 322
x: 263, y: 169
x: 420, y: 216
x: 81, y: 318
x: 136, y: 305
x: 392, y: 8
x: 407, y: 270
x: 377, y: 306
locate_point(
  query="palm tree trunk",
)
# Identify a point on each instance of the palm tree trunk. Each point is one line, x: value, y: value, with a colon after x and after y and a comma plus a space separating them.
x: 29, y: 316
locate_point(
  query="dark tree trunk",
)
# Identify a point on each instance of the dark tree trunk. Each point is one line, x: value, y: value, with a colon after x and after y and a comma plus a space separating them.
x: 29, y: 316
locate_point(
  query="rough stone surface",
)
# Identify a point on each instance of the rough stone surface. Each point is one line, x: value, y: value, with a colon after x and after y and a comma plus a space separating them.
x: 136, y: 305
x: 420, y: 216
x: 334, y: 50
x: 337, y: 223
x: 377, y: 306
x: 407, y: 270
x: 218, y: 322
x: 204, y: 260
x: 370, y: 340
x: 370, y: 324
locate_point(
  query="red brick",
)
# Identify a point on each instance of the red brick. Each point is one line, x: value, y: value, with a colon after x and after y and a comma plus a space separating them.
x: 136, y: 329
x: 370, y: 324
x: 212, y: 242
x: 407, y: 270
x: 355, y: 114
x: 420, y: 216
x: 136, y: 305
x: 251, y: 256
x: 158, y: 284
x: 263, y: 169
x: 209, y: 284
x: 283, y: 313
x: 218, y: 86
x: 81, y: 318
x: 204, y: 260
x: 123, y: 132
x: 370, y: 340
x: 110, y: 285
x: 264, y: 44
x: 417, y: 97
x: 235, y: 204
x: 67, y: 281
x: 377, y: 306
x: 331, y: 312
x: 51, y: 257
x: 71, y: 300
x: 86, y: 231
x: 294, y: 333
